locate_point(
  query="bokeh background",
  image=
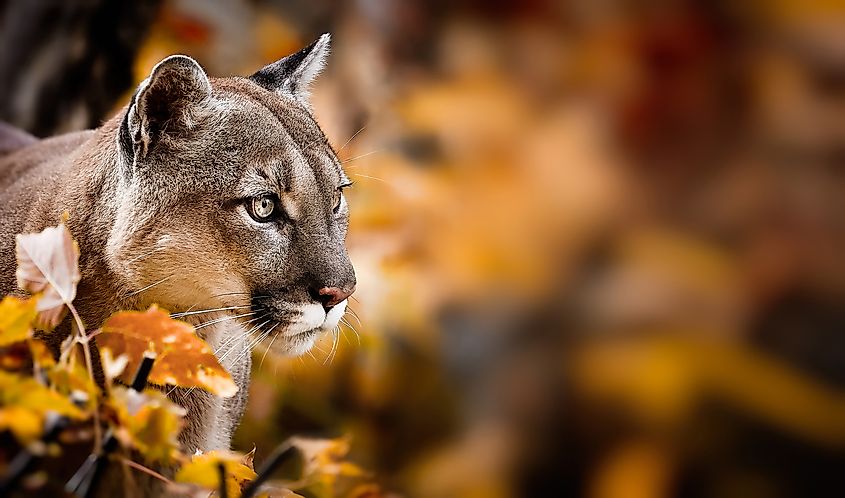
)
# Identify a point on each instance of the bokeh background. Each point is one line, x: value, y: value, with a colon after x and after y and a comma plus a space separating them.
x: 599, y: 244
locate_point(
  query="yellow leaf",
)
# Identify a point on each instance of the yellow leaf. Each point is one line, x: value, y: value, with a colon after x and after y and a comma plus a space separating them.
x: 148, y: 422
x: 16, y: 317
x: 41, y: 354
x: 24, y: 404
x: 24, y: 424
x: 48, y: 263
x: 182, y: 358
x: 203, y: 471
x: 72, y: 378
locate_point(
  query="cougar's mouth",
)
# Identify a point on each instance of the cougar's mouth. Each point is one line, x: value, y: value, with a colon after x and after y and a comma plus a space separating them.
x: 293, y: 328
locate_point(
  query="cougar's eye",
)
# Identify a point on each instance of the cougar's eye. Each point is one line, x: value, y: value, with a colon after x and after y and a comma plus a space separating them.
x: 338, y: 197
x: 263, y: 208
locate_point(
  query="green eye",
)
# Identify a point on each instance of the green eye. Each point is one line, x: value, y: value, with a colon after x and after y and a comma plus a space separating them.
x: 262, y: 208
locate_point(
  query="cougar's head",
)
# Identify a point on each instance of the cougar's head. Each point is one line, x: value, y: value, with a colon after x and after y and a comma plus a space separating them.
x: 230, y: 198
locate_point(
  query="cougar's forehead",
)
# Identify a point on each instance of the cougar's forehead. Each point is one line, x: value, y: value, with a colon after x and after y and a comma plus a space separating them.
x: 278, y: 143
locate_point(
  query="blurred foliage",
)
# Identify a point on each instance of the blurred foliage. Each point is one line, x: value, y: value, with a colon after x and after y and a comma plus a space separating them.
x: 598, y: 244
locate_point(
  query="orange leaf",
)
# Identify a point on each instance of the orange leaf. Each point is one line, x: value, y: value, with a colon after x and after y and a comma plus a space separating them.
x: 48, y: 263
x: 182, y: 358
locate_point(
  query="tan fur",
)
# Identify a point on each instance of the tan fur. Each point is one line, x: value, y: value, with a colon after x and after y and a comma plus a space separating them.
x: 157, y: 200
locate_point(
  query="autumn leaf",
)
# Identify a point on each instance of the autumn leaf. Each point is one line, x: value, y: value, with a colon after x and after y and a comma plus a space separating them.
x: 273, y: 491
x: 72, y: 378
x: 16, y: 317
x: 203, y: 471
x: 366, y: 491
x: 15, y: 357
x: 48, y: 263
x: 24, y: 404
x: 112, y: 367
x: 327, y: 456
x: 148, y: 422
x: 324, y: 464
x: 41, y: 354
x: 182, y: 358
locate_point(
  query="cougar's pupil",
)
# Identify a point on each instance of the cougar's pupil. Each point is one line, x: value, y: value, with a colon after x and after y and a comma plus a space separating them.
x: 263, y: 207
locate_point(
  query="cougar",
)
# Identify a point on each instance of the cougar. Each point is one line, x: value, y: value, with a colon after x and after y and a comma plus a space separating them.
x: 219, y: 198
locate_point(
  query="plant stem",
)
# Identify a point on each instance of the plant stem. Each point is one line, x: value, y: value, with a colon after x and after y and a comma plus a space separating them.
x: 86, y: 351
x: 146, y: 470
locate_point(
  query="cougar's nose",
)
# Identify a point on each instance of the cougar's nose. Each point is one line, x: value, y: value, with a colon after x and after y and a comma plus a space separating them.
x: 330, y: 296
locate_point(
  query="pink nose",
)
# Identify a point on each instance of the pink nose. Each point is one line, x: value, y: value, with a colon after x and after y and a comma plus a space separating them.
x: 330, y: 296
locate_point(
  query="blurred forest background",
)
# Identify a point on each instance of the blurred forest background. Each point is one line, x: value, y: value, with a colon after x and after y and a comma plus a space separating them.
x: 599, y: 244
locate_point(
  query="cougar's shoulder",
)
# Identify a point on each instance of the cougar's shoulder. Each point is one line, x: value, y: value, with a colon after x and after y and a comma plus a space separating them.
x: 38, y: 182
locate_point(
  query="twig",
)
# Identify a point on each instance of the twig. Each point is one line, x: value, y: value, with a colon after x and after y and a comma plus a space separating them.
x: 146, y: 470
x: 86, y: 351
x: 86, y: 478
x: 221, y: 471
x: 281, y: 454
x: 26, y: 460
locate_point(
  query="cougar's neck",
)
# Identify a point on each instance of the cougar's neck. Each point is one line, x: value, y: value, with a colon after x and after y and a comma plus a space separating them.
x: 91, y: 187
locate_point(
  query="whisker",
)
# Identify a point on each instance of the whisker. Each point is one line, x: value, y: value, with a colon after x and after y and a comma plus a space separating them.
x: 333, y: 350
x: 352, y: 137
x: 248, y: 350
x: 147, y: 254
x: 189, y: 313
x: 241, y: 335
x: 349, y: 325
x: 223, y: 319
x: 354, y: 315
x: 135, y: 293
x: 372, y: 178
x: 345, y: 161
x: 270, y: 346
x: 221, y: 295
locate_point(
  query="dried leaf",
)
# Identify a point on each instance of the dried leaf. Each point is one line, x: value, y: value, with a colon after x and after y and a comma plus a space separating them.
x: 249, y: 458
x: 182, y: 358
x: 16, y: 317
x: 24, y: 404
x: 324, y: 464
x: 203, y: 471
x: 48, y: 263
x: 113, y: 367
x: 149, y: 422
x: 326, y: 456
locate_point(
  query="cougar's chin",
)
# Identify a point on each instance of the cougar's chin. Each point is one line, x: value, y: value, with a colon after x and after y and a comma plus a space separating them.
x: 296, y: 334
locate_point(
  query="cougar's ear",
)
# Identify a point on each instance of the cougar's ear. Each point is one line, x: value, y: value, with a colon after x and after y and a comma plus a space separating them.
x: 293, y: 74
x: 167, y: 102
